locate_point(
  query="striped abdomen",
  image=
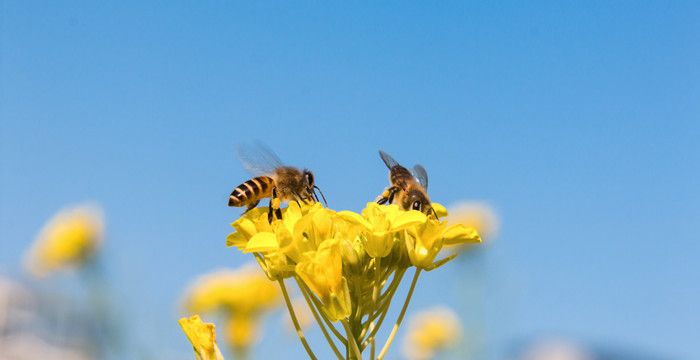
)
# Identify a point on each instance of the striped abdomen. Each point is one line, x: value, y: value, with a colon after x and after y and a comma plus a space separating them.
x: 251, y: 191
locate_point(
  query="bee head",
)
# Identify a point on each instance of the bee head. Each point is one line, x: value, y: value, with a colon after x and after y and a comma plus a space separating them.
x: 310, y: 187
x: 418, y: 200
x: 308, y: 179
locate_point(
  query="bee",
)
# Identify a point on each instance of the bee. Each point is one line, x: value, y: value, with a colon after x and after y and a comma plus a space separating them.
x: 272, y: 180
x: 408, y: 189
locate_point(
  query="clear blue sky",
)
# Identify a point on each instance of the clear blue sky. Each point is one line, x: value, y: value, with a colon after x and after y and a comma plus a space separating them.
x: 578, y: 122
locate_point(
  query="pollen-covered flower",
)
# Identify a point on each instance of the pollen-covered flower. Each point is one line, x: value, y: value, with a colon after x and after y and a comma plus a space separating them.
x: 68, y: 240
x: 430, y: 332
x: 241, y: 296
x: 202, y: 336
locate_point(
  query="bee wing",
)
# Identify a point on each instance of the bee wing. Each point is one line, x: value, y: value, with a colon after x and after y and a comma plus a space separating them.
x: 388, y: 160
x: 421, y: 175
x: 258, y: 159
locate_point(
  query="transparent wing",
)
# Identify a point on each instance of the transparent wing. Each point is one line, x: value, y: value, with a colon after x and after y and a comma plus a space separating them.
x: 420, y: 174
x: 388, y: 160
x: 258, y: 159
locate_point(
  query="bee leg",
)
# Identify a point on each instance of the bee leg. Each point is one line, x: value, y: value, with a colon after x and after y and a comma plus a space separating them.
x: 269, y: 212
x: 392, y: 193
x: 274, y: 205
x: 387, y: 196
x: 251, y: 206
x: 297, y: 197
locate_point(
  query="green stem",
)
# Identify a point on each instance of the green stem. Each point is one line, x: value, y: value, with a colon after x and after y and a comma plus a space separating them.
x: 383, y: 309
x: 385, y: 348
x: 351, y: 340
x: 319, y: 306
x: 319, y: 321
x: 300, y: 333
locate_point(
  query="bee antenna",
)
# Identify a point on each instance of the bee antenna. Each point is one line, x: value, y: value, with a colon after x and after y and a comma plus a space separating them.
x: 434, y: 212
x: 321, y: 192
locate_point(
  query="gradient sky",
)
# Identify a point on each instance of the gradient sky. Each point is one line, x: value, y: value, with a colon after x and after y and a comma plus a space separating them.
x: 578, y: 122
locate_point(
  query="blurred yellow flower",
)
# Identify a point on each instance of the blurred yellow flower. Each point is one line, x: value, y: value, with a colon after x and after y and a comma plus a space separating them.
x: 242, y: 330
x: 68, y: 240
x: 478, y: 215
x: 202, y: 336
x: 243, y: 290
x: 431, y: 331
x: 241, y: 296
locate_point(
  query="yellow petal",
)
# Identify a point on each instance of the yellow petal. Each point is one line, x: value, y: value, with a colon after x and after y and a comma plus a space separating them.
x: 237, y: 239
x: 460, y: 234
x: 354, y: 218
x: 262, y: 242
x: 202, y: 336
x: 245, y: 226
x: 406, y: 219
x: 440, y: 210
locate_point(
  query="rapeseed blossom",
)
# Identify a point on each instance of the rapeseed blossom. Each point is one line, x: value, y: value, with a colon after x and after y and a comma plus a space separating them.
x: 70, y: 239
x: 347, y: 265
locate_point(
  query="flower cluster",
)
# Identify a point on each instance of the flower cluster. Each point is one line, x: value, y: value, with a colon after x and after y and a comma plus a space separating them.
x: 347, y: 265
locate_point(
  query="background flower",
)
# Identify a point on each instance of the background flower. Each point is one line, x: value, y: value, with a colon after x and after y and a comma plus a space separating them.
x: 67, y: 240
x: 431, y: 331
x: 477, y: 214
x: 239, y: 297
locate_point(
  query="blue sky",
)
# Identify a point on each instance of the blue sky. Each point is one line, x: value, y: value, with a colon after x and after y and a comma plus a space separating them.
x: 578, y: 122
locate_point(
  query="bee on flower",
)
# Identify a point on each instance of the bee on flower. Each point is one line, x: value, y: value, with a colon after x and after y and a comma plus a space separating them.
x: 430, y: 332
x: 272, y: 180
x: 241, y: 297
x: 68, y: 240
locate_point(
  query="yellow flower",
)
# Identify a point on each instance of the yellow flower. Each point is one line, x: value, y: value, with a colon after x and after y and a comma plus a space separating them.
x: 202, y: 336
x: 424, y: 242
x: 68, y: 240
x: 380, y: 223
x: 478, y: 215
x: 323, y: 273
x: 431, y: 331
x: 254, y: 234
x: 242, y: 330
x: 242, y: 296
x: 243, y: 290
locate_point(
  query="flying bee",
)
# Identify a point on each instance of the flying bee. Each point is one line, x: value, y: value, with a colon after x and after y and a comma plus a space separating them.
x: 408, y: 189
x: 272, y: 180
